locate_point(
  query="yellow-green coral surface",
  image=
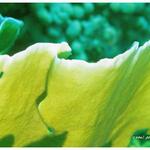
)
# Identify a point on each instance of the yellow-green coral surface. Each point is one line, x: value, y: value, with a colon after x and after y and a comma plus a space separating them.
x: 95, y: 103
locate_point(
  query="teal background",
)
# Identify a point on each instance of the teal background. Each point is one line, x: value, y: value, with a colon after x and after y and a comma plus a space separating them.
x: 93, y: 30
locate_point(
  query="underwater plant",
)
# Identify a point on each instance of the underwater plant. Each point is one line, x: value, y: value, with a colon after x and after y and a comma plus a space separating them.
x: 9, y: 31
x: 62, y: 102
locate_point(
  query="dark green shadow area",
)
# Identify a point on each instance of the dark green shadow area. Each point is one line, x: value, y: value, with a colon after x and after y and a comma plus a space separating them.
x: 107, y: 144
x: 140, y: 138
x: 7, y: 141
x: 1, y: 74
x: 50, y: 141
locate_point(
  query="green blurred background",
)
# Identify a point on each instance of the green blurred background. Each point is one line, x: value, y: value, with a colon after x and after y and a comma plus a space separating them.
x: 93, y: 30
